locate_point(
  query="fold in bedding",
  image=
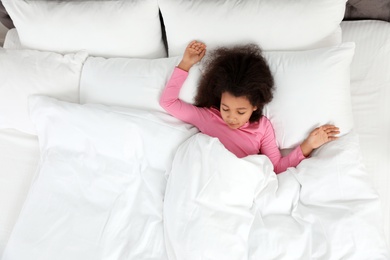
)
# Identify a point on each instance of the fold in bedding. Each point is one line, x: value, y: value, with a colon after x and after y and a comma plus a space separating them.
x: 220, y: 207
x: 19, y: 157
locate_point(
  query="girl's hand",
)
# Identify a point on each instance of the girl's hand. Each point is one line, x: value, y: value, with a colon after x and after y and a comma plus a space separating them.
x: 318, y: 137
x: 194, y: 52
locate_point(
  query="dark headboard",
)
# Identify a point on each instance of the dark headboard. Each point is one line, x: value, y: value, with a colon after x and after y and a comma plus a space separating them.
x: 355, y: 10
x: 4, y: 17
x: 367, y: 9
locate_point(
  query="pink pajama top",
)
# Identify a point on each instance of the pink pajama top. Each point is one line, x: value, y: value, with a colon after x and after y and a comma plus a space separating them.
x: 251, y: 138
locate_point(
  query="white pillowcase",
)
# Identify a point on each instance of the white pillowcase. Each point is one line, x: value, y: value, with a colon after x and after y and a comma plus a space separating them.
x: 128, y: 28
x: 101, y: 183
x: 312, y: 89
x: 136, y: 83
x: 26, y: 72
x: 274, y: 25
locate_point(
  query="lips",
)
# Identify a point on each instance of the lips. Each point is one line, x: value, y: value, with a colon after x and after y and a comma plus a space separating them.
x: 232, y: 125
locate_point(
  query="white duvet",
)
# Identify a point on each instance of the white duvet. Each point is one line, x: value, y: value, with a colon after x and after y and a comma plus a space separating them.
x: 220, y: 207
x: 121, y: 184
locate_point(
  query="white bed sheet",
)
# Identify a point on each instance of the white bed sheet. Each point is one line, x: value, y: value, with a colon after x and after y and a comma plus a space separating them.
x: 370, y: 86
x: 19, y: 157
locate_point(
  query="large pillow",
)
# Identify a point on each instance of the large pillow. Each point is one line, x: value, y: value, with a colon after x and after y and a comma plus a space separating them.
x: 129, y: 28
x: 136, y: 83
x: 312, y: 89
x: 274, y: 25
x: 100, y: 188
x: 26, y: 72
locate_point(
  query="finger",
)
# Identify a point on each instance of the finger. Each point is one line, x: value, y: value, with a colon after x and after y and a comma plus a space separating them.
x: 332, y: 132
x: 191, y: 44
x: 200, y: 50
x: 328, y: 126
x: 201, y: 55
x: 196, y: 47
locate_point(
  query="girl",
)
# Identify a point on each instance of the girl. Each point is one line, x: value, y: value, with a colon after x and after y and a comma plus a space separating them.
x: 229, y: 103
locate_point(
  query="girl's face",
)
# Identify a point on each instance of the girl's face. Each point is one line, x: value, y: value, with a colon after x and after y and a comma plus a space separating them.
x: 235, y: 111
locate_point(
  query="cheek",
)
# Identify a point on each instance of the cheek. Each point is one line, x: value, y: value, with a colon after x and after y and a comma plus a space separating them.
x: 247, y: 117
x: 224, y: 116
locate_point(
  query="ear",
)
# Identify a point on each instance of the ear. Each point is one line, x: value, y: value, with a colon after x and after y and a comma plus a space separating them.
x: 254, y: 108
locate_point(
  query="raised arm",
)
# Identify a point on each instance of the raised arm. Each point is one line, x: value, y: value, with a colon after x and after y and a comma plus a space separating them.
x: 169, y: 99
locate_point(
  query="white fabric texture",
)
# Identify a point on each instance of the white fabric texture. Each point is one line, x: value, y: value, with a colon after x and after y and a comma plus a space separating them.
x: 125, y: 28
x: 136, y: 83
x: 208, y: 207
x: 11, y: 40
x: 370, y: 89
x: 19, y: 157
x: 312, y: 89
x: 274, y: 25
x: 216, y: 204
x: 99, y: 192
x: 26, y: 72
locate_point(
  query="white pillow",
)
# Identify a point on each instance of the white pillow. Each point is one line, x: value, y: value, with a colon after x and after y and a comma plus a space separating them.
x: 136, y: 83
x: 26, y: 72
x: 312, y: 89
x: 274, y: 25
x: 128, y: 28
x: 101, y: 183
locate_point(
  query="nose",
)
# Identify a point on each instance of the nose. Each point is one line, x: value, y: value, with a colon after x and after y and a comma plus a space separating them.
x: 231, y: 120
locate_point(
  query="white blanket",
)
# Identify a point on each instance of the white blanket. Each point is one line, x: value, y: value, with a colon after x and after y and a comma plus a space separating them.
x: 101, y: 182
x: 220, y: 207
x: 102, y: 193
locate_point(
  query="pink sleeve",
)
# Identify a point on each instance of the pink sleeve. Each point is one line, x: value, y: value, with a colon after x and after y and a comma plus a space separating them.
x: 170, y: 101
x: 271, y: 150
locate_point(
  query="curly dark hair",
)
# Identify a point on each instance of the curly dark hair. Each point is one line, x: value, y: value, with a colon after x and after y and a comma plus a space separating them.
x: 240, y: 71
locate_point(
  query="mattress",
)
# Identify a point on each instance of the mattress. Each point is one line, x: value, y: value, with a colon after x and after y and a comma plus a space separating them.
x: 370, y: 83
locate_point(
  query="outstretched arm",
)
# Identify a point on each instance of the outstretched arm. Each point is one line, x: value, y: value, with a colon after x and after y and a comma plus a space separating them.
x: 316, y: 138
x: 169, y: 99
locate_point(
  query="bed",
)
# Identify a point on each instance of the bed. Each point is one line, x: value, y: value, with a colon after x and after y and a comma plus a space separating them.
x: 91, y: 167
